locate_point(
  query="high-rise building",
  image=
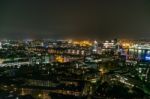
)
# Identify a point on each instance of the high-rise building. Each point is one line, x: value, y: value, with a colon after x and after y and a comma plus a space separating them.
x: 0, y: 45
x: 95, y: 46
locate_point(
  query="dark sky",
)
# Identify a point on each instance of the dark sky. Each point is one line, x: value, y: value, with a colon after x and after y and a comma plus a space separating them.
x: 100, y: 19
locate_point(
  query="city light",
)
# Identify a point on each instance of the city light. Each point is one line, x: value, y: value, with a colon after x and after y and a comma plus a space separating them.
x: 71, y: 68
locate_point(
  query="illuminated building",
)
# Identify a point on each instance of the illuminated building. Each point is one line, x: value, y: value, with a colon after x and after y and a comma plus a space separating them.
x: 60, y: 59
x: 46, y: 59
x: 109, y: 44
x: 138, y: 51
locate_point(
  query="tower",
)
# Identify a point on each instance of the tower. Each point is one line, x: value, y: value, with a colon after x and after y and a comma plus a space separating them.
x: 95, y: 47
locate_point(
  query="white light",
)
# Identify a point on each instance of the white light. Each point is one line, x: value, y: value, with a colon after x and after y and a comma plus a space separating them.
x: 147, y: 57
x: 95, y: 42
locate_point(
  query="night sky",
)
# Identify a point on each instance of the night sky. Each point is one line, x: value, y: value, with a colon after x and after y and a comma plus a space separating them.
x: 87, y: 19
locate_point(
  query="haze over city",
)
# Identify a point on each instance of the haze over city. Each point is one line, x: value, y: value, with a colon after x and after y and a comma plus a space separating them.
x: 94, y: 19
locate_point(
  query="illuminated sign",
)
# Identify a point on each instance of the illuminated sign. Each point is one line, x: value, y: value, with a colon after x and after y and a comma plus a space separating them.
x: 147, y: 58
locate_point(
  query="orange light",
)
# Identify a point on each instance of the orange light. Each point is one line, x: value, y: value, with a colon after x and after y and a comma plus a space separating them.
x: 126, y: 45
x: 82, y: 43
x: 59, y: 59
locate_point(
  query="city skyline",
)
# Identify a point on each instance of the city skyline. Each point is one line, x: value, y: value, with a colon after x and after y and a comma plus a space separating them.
x: 77, y: 19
